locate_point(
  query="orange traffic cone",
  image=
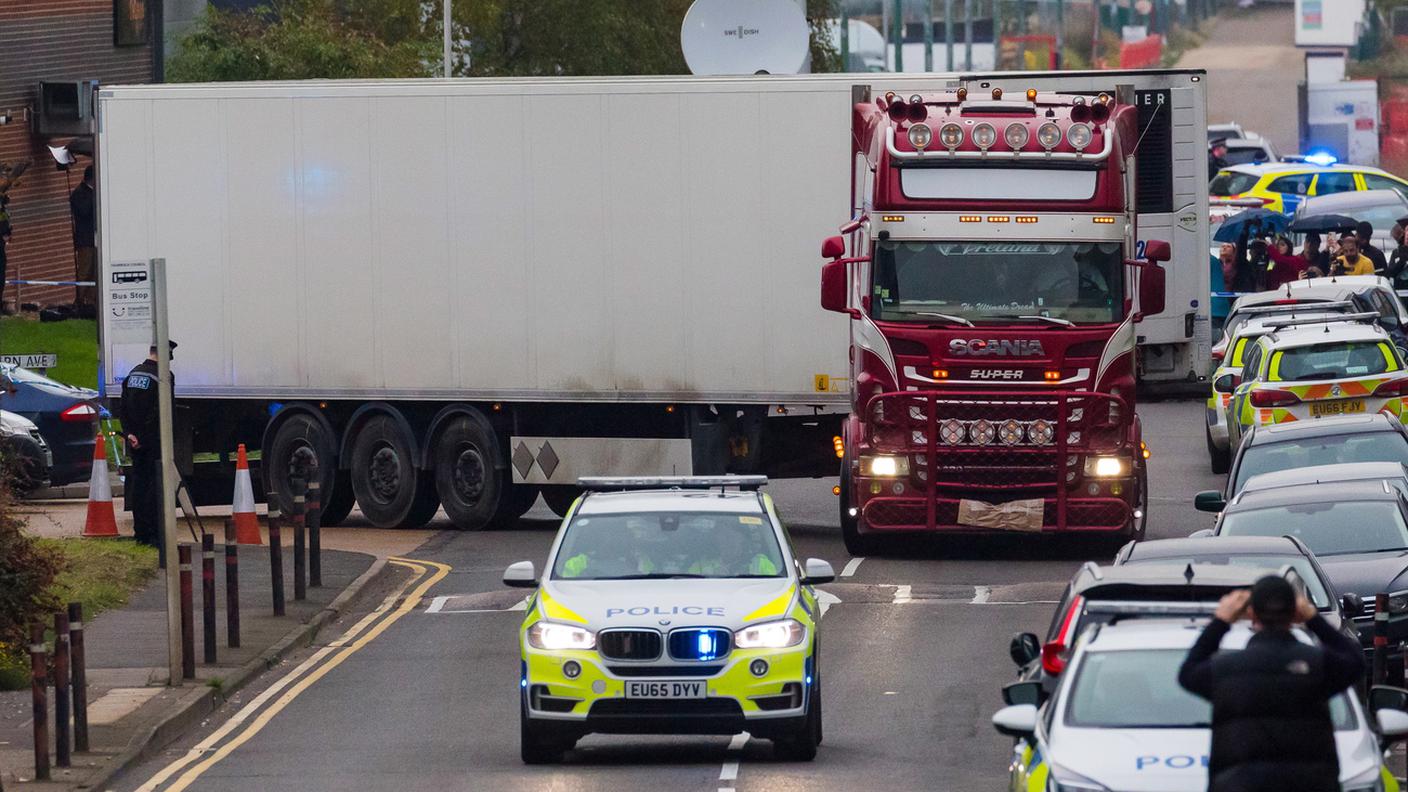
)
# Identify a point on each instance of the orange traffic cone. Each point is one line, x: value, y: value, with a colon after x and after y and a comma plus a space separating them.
x: 101, y: 520
x: 246, y: 524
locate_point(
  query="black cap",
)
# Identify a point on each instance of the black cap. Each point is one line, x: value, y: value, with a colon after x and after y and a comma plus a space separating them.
x: 1217, y: 142
x: 1365, y: 228
x: 169, y: 341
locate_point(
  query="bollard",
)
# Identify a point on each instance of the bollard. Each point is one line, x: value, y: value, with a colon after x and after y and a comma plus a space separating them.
x: 78, y: 670
x: 232, y: 587
x: 276, y: 556
x: 39, y: 684
x: 1380, y: 638
x: 63, y: 748
x: 188, y: 630
x: 314, y: 519
x: 300, y: 553
x: 207, y: 595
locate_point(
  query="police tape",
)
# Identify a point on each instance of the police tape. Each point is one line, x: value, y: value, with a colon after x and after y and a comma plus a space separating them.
x: 50, y: 283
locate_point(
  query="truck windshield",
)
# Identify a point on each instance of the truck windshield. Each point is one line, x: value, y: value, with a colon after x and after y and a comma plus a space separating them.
x: 998, y: 281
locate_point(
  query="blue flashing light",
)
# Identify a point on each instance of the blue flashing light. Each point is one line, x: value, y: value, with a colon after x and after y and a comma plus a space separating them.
x: 523, y: 683
x: 274, y: 408
x: 809, y: 679
x: 1322, y: 158
x: 707, y: 648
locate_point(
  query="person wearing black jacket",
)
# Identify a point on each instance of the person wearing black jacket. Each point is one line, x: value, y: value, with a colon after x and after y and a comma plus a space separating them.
x: 1398, y: 259
x: 1271, y: 725
x: 141, y: 425
x: 1367, y: 248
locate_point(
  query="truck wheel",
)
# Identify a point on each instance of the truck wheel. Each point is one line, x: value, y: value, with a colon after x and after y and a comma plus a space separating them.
x: 1219, y: 461
x: 340, y: 502
x: 560, y: 499
x: 300, y: 449
x: 384, y: 477
x: 427, y: 501
x: 468, y: 478
x: 857, y: 543
x: 516, y: 503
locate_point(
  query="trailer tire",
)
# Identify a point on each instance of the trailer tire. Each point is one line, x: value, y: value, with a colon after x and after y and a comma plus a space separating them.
x: 384, y: 477
x: 300, y: 446
x: 516, y: 503
x: 561, y: 498
x: 468, y: 478
x: 340, y: 502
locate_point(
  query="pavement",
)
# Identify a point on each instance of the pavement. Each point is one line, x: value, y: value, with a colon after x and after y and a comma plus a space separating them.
x: 423, y: 697
x: 1253, y: 68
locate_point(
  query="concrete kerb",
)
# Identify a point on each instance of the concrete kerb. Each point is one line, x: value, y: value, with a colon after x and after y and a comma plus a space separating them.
x: 196, y: 704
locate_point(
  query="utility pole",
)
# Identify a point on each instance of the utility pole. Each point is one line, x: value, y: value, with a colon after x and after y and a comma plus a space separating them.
x: 168, y: 472
x: 845, y: 39
x: 929, y: 33
x: 445, y: 8
x: 967, y: 35
x: 948, y: 33
x: 899, y: 35
x: 1060, y: 32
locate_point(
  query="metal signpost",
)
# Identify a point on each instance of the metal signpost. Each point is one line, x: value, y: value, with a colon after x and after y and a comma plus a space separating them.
x: 168, y: 471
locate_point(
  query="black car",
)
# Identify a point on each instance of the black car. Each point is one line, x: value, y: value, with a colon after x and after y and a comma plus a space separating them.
x: 67, y: 417
x: 1324, y: 441
x: 1100, y: 594
x: 1268, y: 554
x: 1358, y: 531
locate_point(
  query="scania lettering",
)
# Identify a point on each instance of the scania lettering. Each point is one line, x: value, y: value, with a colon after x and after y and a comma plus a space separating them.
x: 1013, y: 212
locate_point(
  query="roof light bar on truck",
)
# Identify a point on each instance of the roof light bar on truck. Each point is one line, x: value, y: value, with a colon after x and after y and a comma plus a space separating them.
x: 619, y: 483
x: 951, y: 152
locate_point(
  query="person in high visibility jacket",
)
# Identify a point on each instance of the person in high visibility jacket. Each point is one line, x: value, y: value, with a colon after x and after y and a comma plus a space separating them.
x: 610, y: 554
x: 734, y: 558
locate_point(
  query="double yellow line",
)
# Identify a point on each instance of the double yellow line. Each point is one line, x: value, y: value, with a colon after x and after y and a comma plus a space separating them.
x: 255, y: 715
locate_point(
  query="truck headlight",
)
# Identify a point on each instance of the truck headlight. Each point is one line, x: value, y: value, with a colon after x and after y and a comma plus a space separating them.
x: 884, y: 466
x: 771, y: 635
x: 553, y: 636
x: 1107, y: 466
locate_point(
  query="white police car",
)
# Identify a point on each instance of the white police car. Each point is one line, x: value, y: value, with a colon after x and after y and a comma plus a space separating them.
x: 671, y: 605
x: 1120, y: 721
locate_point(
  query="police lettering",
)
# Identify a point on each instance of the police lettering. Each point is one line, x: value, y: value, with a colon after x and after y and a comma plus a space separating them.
x: 1174, y: 762
x: 676, y: 610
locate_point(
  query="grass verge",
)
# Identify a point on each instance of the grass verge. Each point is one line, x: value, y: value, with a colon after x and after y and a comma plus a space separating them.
x: 75, y: 341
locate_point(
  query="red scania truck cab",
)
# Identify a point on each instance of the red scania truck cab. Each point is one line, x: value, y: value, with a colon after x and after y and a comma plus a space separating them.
x: 993, y: 300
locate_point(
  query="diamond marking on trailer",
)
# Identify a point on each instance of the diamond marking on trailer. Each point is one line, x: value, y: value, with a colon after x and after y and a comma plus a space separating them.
x: 522, y: 459
x: 547, y: 459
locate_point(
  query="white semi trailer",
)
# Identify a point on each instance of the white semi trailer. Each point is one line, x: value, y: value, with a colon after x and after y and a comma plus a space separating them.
x: 464, y: 293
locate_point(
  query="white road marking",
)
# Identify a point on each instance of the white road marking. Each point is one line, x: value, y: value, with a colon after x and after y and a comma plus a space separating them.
x: 436, y: 604
x: 902, y: 594
x: 851, y: 566
x: 825, y: 599
x: 980, y: 595
x: 729, y: 772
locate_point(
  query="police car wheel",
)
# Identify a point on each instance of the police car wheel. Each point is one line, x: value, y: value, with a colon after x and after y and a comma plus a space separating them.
x: 468, y: 478
x: 539, y: 743
x: 1219, y: 461
x: 800, y: 745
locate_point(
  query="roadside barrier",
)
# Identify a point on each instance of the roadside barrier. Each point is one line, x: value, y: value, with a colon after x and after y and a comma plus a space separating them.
x: 78, y: 669
x: 63, y: 748
x: 207, y: 595
x: 39, y: 686
x: 101, y: 520
x: 232, y: 587
x: 188, y: 630
x: 1380, y: 638
x: 246, y: 523
x: 314, y: 518
x: 276, y: 555
x: 300, y: 550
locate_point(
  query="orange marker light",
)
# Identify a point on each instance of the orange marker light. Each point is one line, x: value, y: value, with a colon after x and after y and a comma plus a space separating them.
x: 997, y: 93
x: 1053, y: 376
x: 962, y: 94
x: 970, y: 218
x: 1026, y: 219
x: 1031, y: 94
x: 999, y: 219
x: 940, y: 373
x: 840, y: 446
x: 1103, y: 220
x: 836, y: 490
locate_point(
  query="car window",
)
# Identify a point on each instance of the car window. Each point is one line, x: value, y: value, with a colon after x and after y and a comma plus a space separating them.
x: 1325, y: 450
x: 1243, y: 156
x: 1373, y: 181
x: 1298, y: 184
x: 1139, y: 689
x: 1388, y: 313
x: 1378, y: 525
x: 1334, y: 182
x: 668, y: 544
x: 1228, y: 183
x: 1253, y: 362
x: 1314, y: 586
x: 1335, y: 360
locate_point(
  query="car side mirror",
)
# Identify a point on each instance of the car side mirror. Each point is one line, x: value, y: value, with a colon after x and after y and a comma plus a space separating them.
x: 1388, y: 697
x: 815, y: 572
x: 833, y: 247
x: 1024, y: 691
x: 1209, y: 501
x: 835, y: 283
x: 1393, y: 724
x: 1353, y: 605
x: 1225, y: 383
x: 1018, y: 720
x: 521, y: 575
x: 1024, y: 648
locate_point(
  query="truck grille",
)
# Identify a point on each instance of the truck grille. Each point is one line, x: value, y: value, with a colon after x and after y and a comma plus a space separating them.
x: 629, y: 644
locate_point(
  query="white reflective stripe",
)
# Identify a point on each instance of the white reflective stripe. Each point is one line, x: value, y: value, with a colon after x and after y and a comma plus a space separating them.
x: 244, y: 492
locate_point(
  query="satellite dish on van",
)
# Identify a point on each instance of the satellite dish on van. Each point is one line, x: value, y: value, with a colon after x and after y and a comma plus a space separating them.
x: 745, y: 37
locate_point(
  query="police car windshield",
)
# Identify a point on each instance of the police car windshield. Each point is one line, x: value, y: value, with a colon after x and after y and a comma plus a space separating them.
x: 1138, y: 689
x: 1335, y: 528
x: 998, y: 281
x: 645, y: 545
x: 1326, y: 450
x: 1272, y: 564
x: 1332, y: 361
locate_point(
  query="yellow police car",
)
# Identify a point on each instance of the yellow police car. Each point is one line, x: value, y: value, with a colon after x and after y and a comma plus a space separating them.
x: 671, y: 605
x: 1282, y: 186
x: 1304, y: 370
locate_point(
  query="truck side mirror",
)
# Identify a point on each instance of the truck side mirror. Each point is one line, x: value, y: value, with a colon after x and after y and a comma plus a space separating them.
x: 834, y: 287
x: 833, y: 247
x: 1151, y: 288
x: 1156, y: 250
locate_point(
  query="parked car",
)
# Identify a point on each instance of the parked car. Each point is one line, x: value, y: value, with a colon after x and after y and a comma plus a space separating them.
x: 1282, y: 186
x: 24, y: 455
x: 1250, y: 148
x: 67, y: 416
x: 1380, y: 208
x: 1349, y: 438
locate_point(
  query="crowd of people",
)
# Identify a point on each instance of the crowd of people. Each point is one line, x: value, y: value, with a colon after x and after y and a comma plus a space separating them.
x: 1261, y: 264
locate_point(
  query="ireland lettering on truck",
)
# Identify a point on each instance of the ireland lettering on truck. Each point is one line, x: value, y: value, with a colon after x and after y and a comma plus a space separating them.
x: 1001, y: 224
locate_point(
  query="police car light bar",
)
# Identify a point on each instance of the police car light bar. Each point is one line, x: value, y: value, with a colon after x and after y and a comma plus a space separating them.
x: 1296, y: 306
x: 618, y: 483
x: 1291, y: 321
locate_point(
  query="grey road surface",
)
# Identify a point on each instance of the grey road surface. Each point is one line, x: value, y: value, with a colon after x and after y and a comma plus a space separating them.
x: 432, y: 703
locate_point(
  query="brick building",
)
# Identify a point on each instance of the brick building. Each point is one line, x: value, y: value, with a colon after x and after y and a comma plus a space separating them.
x: 66, y: 41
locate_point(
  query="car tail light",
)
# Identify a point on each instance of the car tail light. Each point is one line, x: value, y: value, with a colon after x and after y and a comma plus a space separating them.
x: 1053, y: 657
x: 1398, y: 387
x: 79, y: 413
x: 1273, y: 398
